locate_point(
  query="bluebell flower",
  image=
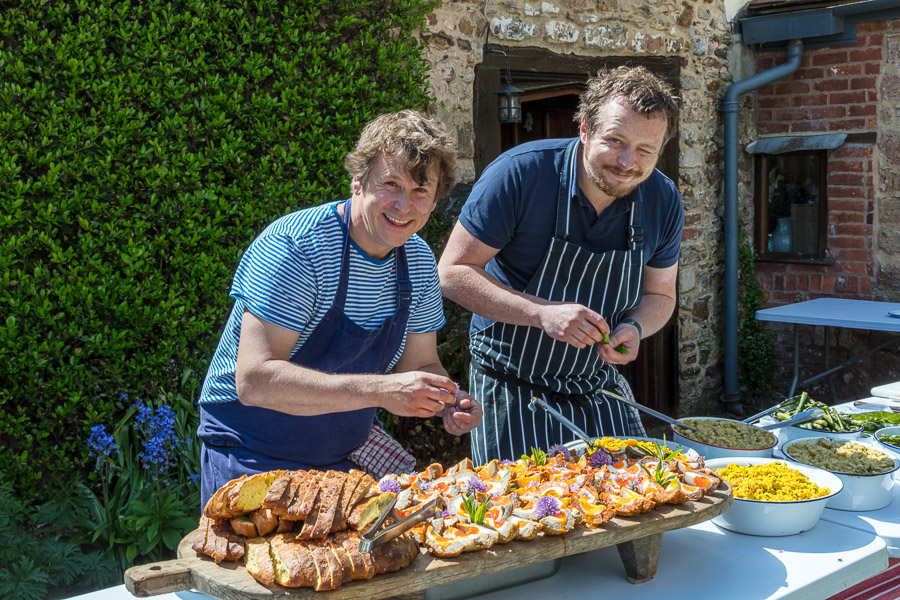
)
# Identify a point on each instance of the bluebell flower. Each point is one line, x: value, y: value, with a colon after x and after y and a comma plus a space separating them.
x: 123, y: 396
x: 101, y: 443
x: 194, y: 477
x: 160, y: 440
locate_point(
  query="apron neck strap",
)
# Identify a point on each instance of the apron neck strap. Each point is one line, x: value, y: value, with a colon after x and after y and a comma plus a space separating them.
x: 635, y: 228
x: 568, y: 187
x: 404, y: 284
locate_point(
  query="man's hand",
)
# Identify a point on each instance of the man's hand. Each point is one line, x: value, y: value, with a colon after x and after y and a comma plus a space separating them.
x: 625, y: 334
x: 572, y: 323
x: 463, y: 416
x: 415, y: 393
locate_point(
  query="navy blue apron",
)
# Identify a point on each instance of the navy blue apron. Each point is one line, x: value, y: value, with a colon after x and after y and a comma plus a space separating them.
x: 513, y: 363
x: 239, y: 440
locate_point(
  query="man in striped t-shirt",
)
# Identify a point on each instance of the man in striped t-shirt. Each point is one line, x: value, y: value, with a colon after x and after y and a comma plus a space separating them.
x: 566, y: 252
x: 328, y: 300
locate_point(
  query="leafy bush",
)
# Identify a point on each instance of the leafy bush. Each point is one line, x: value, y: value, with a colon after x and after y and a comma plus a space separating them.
x: 38, y: 559
x: 756, y: 345
x: 145, y: 144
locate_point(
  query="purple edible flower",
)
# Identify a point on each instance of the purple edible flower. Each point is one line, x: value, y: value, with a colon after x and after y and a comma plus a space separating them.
x: 446, y: 514
x: 559, y: 449
x: 425, y: 486
x: 506, y: 462
x: 600, y: 458
x: 546, y: 506
x: 477, y: 485
x: 389, y: 485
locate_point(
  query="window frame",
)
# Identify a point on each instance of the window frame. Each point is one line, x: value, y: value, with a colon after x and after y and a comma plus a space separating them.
x: 762, y: 164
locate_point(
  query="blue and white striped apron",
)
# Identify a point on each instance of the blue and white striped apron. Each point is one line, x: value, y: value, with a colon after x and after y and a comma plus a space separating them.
x: 513, y: 363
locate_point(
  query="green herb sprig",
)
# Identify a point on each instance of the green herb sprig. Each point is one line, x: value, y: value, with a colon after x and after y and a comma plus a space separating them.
x: 538, y: 457
x: 475, y: 510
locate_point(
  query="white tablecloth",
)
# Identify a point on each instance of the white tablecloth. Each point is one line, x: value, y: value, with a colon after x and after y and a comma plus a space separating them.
x: 702, y: 561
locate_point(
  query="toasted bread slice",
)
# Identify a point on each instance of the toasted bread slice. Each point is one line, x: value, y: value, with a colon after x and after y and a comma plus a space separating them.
x: 328, y: 569
x: 327, y: 504
x: 258, y: 561
x: 278, y: 489
x: 290, y: 493
x: 306, y: 497
x: 203, y: 535
x: 362, y: 564
x: 364, y: 513
x: 243, y: 526
x: 265, y: 521
x: 247, y: 495
x: 345, y: 501
x: 343, y: 559
x: 291, y: 562
x: 215, y: 506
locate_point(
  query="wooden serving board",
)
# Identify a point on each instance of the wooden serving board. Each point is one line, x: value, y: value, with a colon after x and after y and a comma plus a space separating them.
x: 638, y: 540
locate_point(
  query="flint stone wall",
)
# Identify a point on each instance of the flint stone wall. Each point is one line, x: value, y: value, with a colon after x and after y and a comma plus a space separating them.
x: 698, y: 33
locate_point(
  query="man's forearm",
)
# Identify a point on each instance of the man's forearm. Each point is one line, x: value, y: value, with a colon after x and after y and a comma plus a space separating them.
x: 473, y: 288
x: 652, y: 313
x: 293, y: 389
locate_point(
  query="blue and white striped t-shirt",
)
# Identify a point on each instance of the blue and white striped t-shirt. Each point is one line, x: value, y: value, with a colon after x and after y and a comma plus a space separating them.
x: 289, y: 277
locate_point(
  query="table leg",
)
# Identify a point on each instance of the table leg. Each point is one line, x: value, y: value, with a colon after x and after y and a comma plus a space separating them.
x: 640, y: 557
x: 796, y: 361
x: 828, y: 366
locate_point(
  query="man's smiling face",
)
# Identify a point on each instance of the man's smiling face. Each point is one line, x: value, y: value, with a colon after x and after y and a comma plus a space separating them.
x: 391, y: 206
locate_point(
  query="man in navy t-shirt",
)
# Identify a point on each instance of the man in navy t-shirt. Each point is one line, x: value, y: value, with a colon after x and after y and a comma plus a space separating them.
x: 566, y: 252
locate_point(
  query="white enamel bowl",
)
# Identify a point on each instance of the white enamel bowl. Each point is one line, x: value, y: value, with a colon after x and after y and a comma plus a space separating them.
x: 711, y: 451
x: 892, y: 430
x: 795, y: 432
x: 769, y: 518
x: 861, y: 492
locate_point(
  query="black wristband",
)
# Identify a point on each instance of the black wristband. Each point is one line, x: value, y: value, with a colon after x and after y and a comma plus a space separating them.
x: 637, y: 325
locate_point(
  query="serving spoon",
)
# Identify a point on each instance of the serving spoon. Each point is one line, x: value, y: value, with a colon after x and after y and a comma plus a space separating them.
x: 801, y: 417
x: 535, y: 402
x: 650, y: 411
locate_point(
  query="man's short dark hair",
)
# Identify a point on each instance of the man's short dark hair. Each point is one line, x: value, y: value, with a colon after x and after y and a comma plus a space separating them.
x: 636, y: 87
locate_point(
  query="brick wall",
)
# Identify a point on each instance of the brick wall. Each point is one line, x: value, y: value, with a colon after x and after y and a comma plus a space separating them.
x: 838, y: 90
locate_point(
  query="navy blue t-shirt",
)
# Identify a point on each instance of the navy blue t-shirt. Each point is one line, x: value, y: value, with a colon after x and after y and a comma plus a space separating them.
x: 513, y: 207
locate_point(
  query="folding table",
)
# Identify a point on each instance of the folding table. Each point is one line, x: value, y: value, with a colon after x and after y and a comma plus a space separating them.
x: 835, y: 312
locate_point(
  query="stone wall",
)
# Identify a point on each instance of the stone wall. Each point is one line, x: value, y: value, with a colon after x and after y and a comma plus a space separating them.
x: 696, y: 32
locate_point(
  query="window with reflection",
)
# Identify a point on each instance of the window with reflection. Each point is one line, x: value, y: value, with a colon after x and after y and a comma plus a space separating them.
x: 791, y: 205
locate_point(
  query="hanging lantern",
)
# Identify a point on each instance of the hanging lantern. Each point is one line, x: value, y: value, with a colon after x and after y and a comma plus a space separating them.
x: 509, y: 103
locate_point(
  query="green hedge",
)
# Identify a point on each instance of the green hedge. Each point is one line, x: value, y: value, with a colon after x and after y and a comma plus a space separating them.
x: 144, y: 145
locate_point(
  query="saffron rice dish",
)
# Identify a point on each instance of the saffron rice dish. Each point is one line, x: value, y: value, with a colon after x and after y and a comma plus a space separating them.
x: 771, y: 482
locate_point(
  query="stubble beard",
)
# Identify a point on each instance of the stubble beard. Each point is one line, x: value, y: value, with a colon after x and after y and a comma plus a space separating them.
x: 609, y: 190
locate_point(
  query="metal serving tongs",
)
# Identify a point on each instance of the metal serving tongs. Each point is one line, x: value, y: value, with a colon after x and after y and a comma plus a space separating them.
x: 649, y: 411
x: 801, y: 417
x: 760, y: 415
x: 374, y: 538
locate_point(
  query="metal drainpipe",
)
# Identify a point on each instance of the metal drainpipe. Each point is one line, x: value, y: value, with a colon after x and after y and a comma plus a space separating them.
x: 731, y: 106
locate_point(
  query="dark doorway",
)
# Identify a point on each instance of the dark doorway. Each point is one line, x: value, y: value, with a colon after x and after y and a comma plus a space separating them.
x: 552, y: 84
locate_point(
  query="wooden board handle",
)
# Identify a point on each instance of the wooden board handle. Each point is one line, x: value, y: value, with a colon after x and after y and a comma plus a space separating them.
x: 157, y: 578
